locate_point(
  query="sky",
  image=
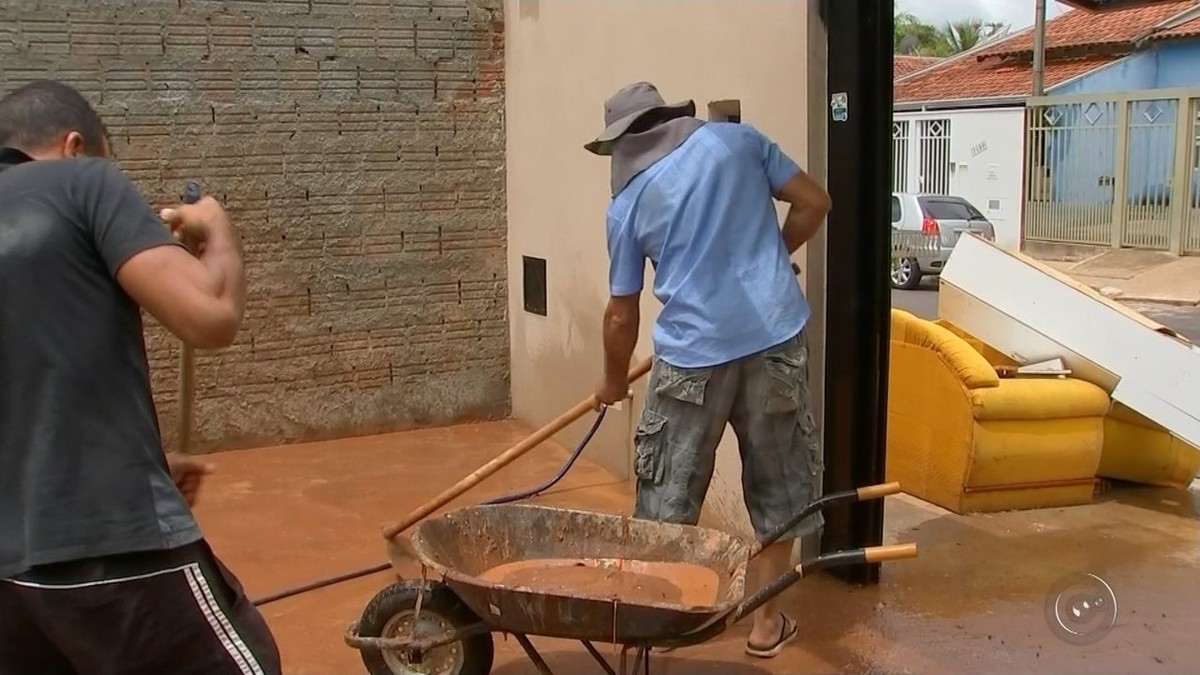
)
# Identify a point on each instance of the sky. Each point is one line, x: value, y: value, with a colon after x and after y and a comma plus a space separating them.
x: 1018, y: 13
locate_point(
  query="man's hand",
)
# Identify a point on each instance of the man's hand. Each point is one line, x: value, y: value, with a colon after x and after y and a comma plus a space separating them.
x: 194, y: 224
x: 612, y: 390
x: 200, y: 296
x: 188, y: 473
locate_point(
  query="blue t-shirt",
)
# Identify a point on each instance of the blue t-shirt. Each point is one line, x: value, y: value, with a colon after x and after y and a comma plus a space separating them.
x: 705, y: 217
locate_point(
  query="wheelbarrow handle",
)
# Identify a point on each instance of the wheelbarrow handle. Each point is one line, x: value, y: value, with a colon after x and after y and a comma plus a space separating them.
x: 836, y: 559
x: 876, y: 554
x: 861, y: 494
x: 877, y: 491
x: 721, y: 622
x: 859, y: 556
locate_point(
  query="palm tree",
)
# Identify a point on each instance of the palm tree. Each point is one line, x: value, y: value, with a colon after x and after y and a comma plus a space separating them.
x: 969, y: 33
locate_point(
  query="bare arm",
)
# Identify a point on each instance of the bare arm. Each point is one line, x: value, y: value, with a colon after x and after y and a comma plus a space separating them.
x: 621, y: 319
x: 809, y: 205
x: 200, y: 298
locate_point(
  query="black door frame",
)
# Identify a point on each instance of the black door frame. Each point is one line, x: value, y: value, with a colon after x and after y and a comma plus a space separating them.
x: 857, y: 292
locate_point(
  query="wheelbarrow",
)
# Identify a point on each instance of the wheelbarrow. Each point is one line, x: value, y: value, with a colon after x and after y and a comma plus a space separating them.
x: 442, y: 624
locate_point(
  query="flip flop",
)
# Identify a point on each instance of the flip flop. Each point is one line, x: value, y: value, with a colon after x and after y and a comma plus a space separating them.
x: 787, y: 633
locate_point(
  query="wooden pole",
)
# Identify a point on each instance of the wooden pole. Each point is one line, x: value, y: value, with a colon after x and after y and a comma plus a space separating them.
x: 505, y: 458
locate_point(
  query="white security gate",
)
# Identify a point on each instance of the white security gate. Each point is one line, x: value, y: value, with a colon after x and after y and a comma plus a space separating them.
x: 921, y: 156
x: 935, y: 156
x: 900, y: 143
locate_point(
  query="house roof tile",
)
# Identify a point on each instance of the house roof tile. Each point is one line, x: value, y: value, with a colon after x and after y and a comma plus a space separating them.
x: 905, y: 64
x: 1003, y: 69
x: 1187, y: 29
x: 968, y: 79
x: 1104, y: 27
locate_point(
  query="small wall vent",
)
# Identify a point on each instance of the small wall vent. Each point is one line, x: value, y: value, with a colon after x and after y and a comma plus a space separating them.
x: 534, y: 284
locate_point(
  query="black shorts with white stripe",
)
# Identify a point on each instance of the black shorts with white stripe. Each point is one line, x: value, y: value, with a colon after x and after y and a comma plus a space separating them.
x: 179, y: 612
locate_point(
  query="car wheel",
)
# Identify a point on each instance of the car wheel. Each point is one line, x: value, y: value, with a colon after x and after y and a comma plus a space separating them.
x: 906, y: 274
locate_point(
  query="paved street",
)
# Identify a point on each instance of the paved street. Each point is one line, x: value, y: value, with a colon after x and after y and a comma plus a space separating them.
x: 1183, y: 320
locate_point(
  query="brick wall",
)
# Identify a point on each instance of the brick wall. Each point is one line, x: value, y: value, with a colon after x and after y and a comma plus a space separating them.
x: 359, y: 145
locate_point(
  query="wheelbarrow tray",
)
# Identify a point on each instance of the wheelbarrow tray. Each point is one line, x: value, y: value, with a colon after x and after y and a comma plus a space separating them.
x: 462, y: 545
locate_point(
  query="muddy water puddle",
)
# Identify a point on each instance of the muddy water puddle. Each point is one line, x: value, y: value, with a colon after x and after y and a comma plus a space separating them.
x: 628, y: 581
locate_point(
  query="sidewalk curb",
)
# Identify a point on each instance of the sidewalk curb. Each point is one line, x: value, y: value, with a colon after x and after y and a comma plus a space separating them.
x: 1068, y: 268
x: 1169, y: 302
x: 1147, y: 299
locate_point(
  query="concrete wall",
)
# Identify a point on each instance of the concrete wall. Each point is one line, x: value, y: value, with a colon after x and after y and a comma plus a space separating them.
x: 563, y: 60
x: 1139, y: 71
x: 986, y: 163
x: 1164, y: 65
x: 359, y: 145
x: 1178, y: 64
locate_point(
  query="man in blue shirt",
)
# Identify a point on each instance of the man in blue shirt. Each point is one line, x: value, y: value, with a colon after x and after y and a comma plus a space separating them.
x: 697, y: 200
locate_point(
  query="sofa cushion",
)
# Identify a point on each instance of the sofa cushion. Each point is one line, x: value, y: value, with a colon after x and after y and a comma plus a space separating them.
x: 1024, y: 453
x: 968, y: 365
x: 1029, y: 398
x: 1145, y: 453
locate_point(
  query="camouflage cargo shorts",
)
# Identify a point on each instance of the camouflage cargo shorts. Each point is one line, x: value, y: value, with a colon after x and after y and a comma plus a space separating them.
x: 765, y: 398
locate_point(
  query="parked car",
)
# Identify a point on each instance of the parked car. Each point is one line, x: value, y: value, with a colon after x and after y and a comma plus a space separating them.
x: 942, y: 216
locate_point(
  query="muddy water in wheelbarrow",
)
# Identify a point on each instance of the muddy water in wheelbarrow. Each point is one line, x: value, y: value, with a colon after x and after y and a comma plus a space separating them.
x: 622, y: 580
x: 465, y: 547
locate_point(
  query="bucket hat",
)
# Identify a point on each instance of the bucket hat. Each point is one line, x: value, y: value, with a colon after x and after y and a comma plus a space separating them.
x: 624, y: 108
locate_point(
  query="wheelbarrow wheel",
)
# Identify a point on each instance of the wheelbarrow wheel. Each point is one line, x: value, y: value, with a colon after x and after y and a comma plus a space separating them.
x: 391, y: 614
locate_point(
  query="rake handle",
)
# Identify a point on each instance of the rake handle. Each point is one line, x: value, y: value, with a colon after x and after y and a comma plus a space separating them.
x: 505, y: 458
x: 187, y: 359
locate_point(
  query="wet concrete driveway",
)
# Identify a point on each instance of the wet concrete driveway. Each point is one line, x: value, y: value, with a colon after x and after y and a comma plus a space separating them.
x: 974, y: 602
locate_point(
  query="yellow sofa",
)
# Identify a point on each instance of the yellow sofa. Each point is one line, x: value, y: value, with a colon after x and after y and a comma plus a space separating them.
x: 1140, y: 451
x: 961, y: 437
x: 1136, y: 449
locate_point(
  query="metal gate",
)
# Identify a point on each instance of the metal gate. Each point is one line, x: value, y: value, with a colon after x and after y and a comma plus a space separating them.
x: 900, y: 132
x: 1149, y: 169
x: 1191, y: 239
x: 1114, y: 170
x: 921, y: 156
x: 934, y: 160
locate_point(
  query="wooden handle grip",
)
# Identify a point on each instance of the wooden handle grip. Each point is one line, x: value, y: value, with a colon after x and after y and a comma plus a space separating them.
x: 893, y: 552
x: 877, y: 491
x: 507, y: 457
x: 187, y: 394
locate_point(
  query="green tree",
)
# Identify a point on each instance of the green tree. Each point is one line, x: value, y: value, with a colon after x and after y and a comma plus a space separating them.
x: 913, y: 36
x: 969, y: 33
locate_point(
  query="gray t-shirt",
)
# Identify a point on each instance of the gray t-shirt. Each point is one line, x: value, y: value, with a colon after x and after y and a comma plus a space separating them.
x: 82, y: 470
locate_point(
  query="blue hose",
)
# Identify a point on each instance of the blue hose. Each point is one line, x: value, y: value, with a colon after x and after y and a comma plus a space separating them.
x: 533, y: 492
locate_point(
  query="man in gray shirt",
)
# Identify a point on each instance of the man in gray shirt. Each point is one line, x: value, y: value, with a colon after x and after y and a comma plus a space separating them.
x: 103, y: 569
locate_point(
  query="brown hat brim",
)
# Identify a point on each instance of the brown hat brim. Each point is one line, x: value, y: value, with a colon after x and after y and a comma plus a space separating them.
x: 602, y: 145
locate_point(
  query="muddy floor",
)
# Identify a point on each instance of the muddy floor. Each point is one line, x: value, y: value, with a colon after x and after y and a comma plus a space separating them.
x: 974, y: 602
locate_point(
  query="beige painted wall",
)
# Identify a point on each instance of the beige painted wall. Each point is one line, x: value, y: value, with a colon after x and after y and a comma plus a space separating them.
x: 563, y: 59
